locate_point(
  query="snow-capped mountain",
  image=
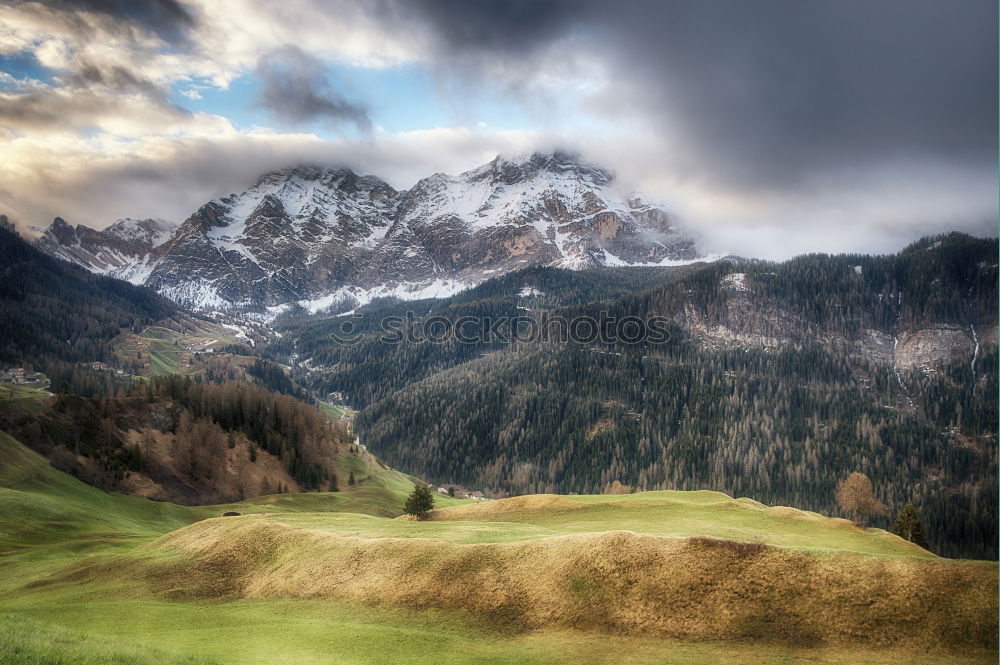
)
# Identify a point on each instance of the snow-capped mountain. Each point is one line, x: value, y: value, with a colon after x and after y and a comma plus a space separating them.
x: 547, y: 209
x: 122, y: 250
x: 318, y: 236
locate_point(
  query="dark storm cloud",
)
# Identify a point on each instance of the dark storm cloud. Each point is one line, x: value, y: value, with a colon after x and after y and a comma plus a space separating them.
x: 506, y: 25
x: 295, y: 88
x: 771, y: 91
x: 167, y: 18
x: 85, y: 89
x: 115, y: 78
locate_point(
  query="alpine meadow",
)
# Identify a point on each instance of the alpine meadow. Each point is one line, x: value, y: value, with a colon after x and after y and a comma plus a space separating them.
x: 498, y: 331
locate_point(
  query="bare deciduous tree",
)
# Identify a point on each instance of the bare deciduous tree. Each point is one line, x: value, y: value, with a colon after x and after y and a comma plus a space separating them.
x: 856, y: 496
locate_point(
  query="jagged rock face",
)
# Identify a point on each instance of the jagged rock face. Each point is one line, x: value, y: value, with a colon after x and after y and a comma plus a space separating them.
x: 927, y: 348
x: 545, y: 209
x: 294, y: 234
x: 315, y: 234
x: 121, y: 250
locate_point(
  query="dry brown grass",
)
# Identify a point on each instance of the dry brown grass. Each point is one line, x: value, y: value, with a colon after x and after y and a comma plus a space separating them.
x: 616, y: 581
x: 491, y: 510
x: 795, y: 513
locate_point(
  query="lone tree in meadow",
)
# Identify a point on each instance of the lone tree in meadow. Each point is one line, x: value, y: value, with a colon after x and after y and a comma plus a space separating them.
x: 420, y: 502
x: 908, y: 525
x: 856, y: 497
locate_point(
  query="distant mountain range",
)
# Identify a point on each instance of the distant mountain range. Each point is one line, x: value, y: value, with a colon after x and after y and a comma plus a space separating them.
x: 323, y: 237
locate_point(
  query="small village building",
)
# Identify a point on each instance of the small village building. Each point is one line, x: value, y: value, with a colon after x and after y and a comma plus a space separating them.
x: 14, y: 375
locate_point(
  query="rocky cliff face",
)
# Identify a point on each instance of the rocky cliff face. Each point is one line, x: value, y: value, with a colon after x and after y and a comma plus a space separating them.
x: 543, y: 209
x: 745, y: 316
x: 122, y: 250
x: 294, y: 235
x: 321, y: 236
x: 927, y: 348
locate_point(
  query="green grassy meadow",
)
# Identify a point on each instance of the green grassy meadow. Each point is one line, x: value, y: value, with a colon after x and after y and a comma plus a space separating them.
x: 336, y: 411
x: 89, y: 577
x: 23, y: 391
x: 171, y: 350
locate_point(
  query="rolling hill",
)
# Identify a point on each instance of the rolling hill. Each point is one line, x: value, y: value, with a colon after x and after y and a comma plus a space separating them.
x: 530, y: 579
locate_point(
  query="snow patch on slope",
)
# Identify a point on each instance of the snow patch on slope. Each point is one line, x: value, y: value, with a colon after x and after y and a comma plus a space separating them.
x: 358, y: 297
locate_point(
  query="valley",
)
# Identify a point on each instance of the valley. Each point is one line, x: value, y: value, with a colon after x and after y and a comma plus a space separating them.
x: 499, y: 332
x: 671, y: 498
x: 775, y: 390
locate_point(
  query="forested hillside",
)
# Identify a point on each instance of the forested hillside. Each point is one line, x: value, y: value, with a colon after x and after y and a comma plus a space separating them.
x: 55, y: 311
x: 226, y: 434
x: 777, y: 381
x: 188, y: 441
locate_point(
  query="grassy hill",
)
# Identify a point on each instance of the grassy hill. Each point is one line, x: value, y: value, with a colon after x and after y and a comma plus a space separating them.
x: 42, y: 506
x: 676, y: 514
x: 88, y: 577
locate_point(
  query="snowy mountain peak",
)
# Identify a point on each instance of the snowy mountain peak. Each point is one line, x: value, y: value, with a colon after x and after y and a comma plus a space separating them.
x: 153, y: 232
x: 314, y: 234
x: 511, y: 169
x: 322, y: 176
x: 122, y: 250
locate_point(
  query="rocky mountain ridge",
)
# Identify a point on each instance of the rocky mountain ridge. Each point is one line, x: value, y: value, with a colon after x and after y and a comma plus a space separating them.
x: 122, y: 250
x: 324, y: 237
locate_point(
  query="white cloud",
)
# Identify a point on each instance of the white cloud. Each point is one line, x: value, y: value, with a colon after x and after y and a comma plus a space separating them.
x: 97, y: 180
x: 102, y: 142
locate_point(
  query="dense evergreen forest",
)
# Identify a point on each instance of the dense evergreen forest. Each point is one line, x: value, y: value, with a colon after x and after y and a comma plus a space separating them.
x: 781, y: 423
x: 781, y: 427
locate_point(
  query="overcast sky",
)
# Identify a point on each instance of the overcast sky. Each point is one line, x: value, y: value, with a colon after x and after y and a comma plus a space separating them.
x: 772, y: 127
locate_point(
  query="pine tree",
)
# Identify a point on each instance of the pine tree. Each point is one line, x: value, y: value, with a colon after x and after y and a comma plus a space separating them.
x: 420, y: 502
x: 908, y: 525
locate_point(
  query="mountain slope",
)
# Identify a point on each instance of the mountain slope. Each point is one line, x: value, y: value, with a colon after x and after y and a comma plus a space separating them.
x: 54, y: 310
x: 121, y: 250
x: 325, y: 236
